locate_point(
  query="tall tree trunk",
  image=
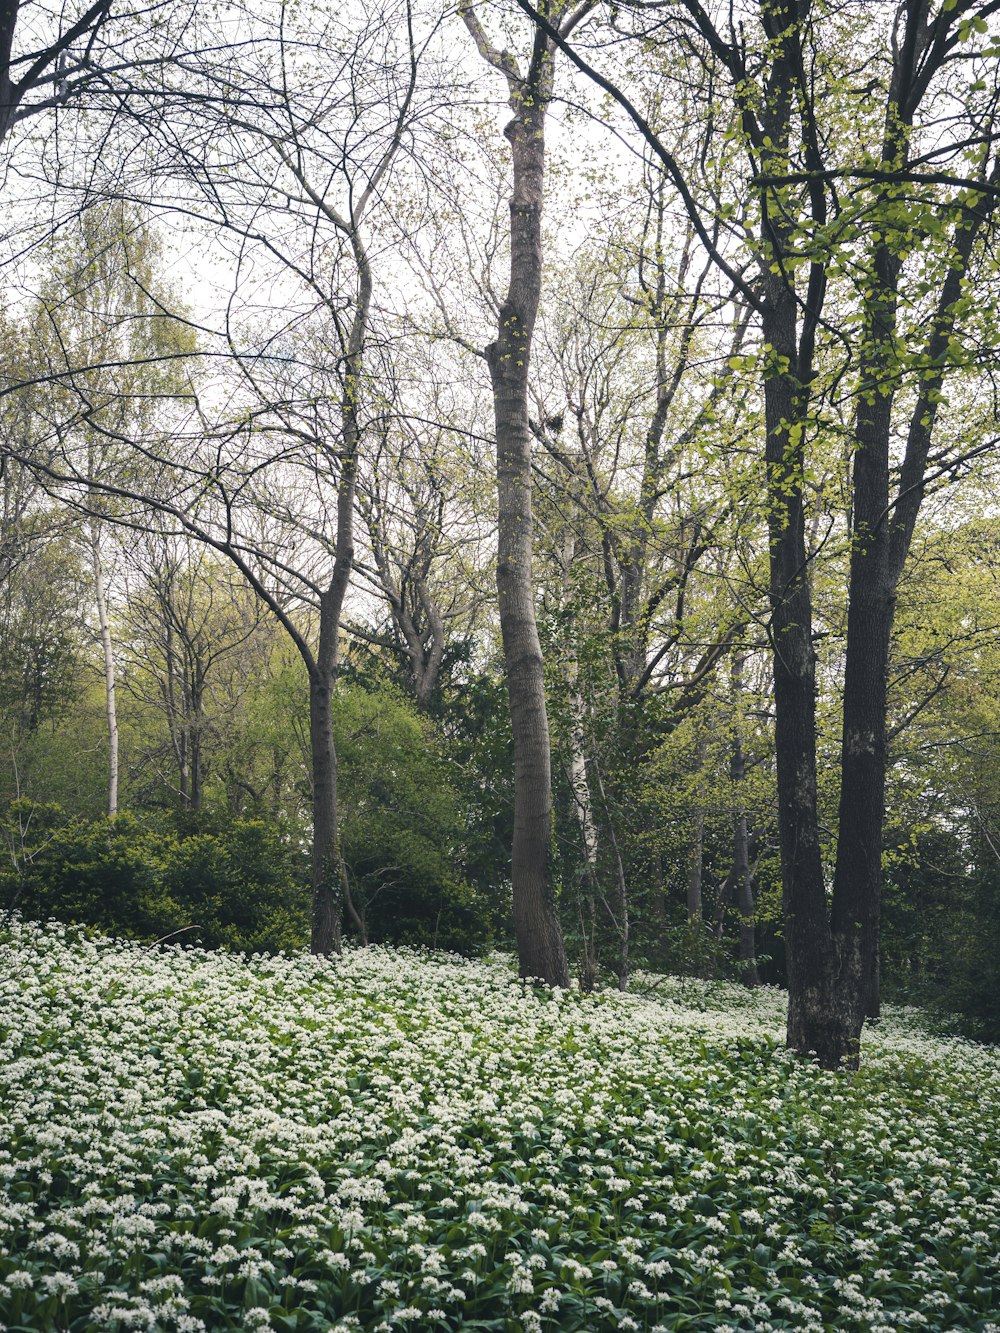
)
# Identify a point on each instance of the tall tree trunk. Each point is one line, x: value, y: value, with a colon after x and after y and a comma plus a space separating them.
x: 814, y: 1020
x: 329, y: 874
x: 880, y: 543
x: 583, y: 807
x: 330, y: 879
x: 110, y: 698
x: 541, y: 953
x: 742, y: 875
x: 326, y: 868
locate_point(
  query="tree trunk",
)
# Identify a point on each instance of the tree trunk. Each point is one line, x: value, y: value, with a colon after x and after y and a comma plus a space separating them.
x: 741, y: 873
x: 329, y: 874
x: 696, y: 859
x: 326, y: 873
x: 541, y: 953
x: 111, y: 705
x: 814, y: 1021
x: 880, y: 543
x: 583, y: 807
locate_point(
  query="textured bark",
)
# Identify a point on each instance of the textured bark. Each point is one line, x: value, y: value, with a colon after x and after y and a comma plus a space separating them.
x: 541, y: 953
x: 329, y: 873
x: 871, y: 598
x: 536, y: 923
x: 788, y: 371
x: 325, y: 936
x: 807, y: 940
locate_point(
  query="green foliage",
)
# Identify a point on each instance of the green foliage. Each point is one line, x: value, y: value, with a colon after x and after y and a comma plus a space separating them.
x: 403, y: 825
x: 974, y: 987
x: 941, y: 927
x: 244, y: 888
x: 108, y: 873
x: 40, y: 632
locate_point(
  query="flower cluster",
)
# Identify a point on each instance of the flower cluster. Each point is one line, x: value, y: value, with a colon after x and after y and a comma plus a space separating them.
x: 388, y: 1141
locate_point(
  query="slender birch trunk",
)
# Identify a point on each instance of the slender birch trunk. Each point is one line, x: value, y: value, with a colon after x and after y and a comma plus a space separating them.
x: 110, y: 699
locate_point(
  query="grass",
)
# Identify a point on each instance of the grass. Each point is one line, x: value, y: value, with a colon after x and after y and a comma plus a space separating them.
x: 193, y: 1141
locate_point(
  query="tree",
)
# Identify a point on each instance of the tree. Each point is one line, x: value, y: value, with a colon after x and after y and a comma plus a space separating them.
x: 290, y: 168
x: 189, y: 620
x: 636, y: 516
x: 529, y: 85
x: 101, y: 335
x: 317, y: 142
x: 55, y: 61
x: 40, y: 627
x: 421, y: 538
x: 848, y: 191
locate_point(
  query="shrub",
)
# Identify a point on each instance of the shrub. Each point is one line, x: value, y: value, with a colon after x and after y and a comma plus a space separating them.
x: 246, y: 887
x: 242, y: 888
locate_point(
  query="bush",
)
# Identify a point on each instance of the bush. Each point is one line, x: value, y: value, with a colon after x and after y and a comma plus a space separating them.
x: 411, y: 898
x: 247, y: 887
x: 403, y: 827
x: 242, y: 888
x: 105, y: 873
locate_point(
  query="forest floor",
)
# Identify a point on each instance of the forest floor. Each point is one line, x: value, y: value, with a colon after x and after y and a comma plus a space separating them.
x: 391, y: 1141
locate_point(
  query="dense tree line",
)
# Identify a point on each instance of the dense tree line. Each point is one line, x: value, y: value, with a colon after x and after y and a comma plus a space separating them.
x: 583, y: 539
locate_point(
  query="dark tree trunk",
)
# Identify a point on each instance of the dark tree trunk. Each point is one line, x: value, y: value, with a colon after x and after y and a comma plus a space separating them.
x: 329, y: 873
x: 871, y: 597
x: 326, y: 841
x: 820, y: 1017
x: 812, y: 1023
